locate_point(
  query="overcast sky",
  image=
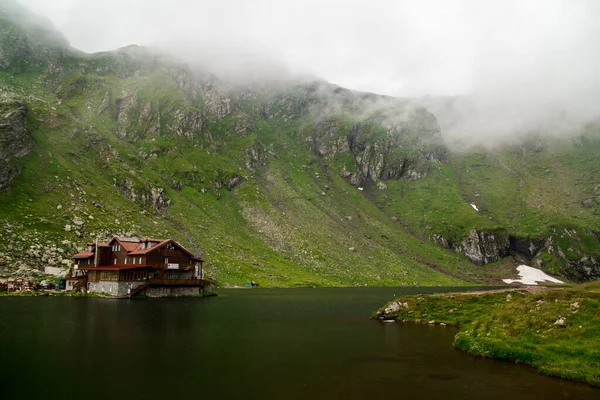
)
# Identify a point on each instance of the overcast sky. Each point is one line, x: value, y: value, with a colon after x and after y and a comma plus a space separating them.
x: 541, y: 55
x: 390, y: 47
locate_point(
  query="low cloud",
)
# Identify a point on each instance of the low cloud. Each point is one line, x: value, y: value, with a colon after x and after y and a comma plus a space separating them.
x: 490, y: 70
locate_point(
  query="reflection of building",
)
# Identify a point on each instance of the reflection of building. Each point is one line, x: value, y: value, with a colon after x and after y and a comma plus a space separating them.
x: 128, y: 266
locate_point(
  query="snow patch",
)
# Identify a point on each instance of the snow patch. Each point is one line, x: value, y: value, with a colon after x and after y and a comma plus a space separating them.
x: 531, y: 276
x: 474, y: 207
x: 361, y: 189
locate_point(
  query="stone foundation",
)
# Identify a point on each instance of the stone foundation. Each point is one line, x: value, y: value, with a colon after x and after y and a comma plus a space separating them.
x: 121, y: 289
x: 113, y: 288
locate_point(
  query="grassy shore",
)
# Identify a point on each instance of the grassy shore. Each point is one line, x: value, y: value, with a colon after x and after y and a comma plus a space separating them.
x: 557, y: 331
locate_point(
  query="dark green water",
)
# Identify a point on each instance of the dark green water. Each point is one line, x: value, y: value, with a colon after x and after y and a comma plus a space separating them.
x: 263, y: 344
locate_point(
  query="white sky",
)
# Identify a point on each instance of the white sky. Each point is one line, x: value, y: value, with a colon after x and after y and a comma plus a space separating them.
x: 527, y: 65
x: 401, y: 48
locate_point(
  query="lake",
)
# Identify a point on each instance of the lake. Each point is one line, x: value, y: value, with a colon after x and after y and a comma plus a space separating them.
x: 247, y: 343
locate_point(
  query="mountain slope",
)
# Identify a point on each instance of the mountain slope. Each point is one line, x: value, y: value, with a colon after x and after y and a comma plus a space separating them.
x: 300, y: 183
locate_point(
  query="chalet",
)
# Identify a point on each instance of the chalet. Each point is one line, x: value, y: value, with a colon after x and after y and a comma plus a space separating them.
x: 128, y: 266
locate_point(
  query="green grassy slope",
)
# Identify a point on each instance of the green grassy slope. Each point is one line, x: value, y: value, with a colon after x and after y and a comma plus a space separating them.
x: 265, y: 182
x: 292, y: 222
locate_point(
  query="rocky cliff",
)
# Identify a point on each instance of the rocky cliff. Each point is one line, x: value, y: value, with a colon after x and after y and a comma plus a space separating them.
x: 15, y: 139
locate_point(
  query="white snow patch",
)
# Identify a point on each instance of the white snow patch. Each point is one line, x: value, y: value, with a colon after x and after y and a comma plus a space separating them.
x: 474, y: 207
x: 531, y: 276
x: 361, y: 189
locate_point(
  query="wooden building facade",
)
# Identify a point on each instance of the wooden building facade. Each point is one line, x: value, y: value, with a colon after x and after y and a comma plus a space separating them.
x: 129, y: 266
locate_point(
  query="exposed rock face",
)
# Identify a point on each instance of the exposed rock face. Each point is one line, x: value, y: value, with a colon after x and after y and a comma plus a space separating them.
x: 149, y: 120
x: 583, y: 270
x: 389, y: 150
x: 525, y: 249
x: 325, y: 139
x: 286, y: 108
x: 154, y: 196
x: 256, y: 157
x: 186, y: 122
x: 185, y: 81
x: 386, y: 159
x: 241, y: 125
x: 124, y: 105
x: 440, y: 240
x: 15, y: 140
x: 158, y: 198
x: 484, y: 247
x: 140, y: 120
x: 575, y: 263
x: 216, y: 104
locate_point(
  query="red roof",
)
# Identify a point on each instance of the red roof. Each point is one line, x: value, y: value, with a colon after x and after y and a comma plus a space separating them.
x: 114, y: 267
x: 130, y: 246
x: 134, y: 247
x: 84, y: 254
x: 162, y: 243
x: 141, y: 251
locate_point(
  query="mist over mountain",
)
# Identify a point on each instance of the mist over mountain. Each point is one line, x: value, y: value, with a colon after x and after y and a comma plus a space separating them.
x: 278, y: 173
x: 518, y: 67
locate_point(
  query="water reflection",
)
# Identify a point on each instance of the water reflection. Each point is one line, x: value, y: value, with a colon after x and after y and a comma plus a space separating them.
x: 267, y: 344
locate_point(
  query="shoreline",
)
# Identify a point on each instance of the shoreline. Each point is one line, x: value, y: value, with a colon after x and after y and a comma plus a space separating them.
x: 552, y: 329
x: 95, y: 295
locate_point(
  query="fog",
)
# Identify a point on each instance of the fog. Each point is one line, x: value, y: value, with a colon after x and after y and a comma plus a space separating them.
x: 489, y: 70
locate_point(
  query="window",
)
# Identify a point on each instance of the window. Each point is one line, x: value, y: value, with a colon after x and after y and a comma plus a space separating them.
x: 115, y: 261
x: 88, y: 261
x: 166, y: 260
x: 140, y: 260
x: 126, y: 260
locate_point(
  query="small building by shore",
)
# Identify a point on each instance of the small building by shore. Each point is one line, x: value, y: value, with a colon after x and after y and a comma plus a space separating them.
x: 124, y: 267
